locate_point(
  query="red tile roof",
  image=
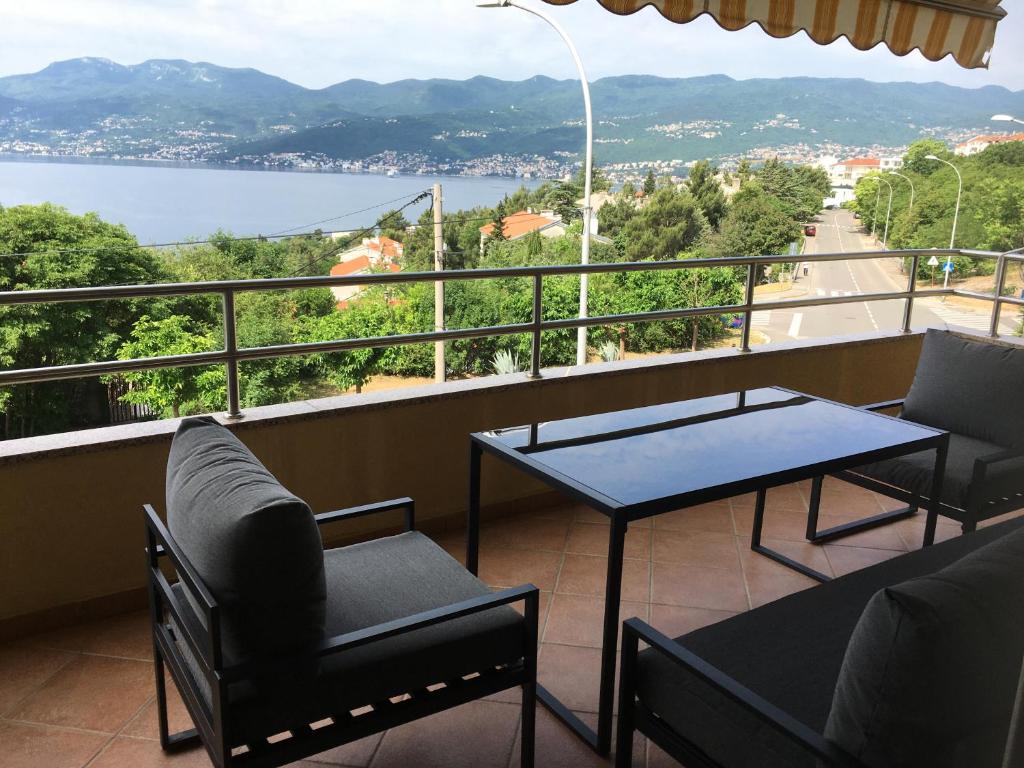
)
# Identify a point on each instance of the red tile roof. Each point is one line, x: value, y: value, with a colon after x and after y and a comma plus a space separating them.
x: 352, y: 267
x: 994, y: 138
x: 519, y: 223
x: 861, y: 161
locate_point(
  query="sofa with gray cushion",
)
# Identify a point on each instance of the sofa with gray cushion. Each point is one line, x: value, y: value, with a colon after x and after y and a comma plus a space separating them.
x: 974, y: 389
x: 281, y: 649
x: 913, y: 662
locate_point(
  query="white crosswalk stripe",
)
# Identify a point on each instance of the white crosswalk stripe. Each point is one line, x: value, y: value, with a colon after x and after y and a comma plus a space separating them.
x: 954, y: 316
x: 761, y: 319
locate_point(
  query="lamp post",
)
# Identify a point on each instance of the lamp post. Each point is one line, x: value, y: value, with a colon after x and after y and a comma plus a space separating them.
x: 910, y: 208
x: 1007, y: 119
x: 956, y: 213
x: 581, y: 333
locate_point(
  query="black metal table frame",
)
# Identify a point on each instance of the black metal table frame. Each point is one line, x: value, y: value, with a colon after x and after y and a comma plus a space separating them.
x: 620, y: 515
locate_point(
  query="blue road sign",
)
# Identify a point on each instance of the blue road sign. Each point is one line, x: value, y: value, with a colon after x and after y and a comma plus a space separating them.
x: 947, y: 267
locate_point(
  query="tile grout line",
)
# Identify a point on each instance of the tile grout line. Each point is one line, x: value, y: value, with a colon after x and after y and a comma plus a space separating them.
x: 39, y: 687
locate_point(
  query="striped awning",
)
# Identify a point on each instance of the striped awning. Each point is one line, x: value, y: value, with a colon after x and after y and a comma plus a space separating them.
x: 964, y: 28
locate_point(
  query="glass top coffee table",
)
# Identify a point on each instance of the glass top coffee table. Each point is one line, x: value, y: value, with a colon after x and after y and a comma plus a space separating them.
x: 633, y: 464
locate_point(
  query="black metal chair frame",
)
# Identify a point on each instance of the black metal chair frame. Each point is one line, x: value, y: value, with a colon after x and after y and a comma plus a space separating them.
x: 633, y: 715
x: 213, y: 723
x: 978, y: 508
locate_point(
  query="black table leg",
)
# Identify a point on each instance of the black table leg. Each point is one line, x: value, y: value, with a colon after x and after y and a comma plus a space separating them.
x: 473, y: 512
x: 935, y: 498
x: 757, y: 546
x: 610, y: 639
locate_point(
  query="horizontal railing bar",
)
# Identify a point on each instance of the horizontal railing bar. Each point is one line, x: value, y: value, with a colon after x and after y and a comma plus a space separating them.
x: 98, y: 293
x: 57, y: 373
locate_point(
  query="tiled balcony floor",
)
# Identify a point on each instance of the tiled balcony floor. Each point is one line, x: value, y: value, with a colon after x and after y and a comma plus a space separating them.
x: 84, y: 696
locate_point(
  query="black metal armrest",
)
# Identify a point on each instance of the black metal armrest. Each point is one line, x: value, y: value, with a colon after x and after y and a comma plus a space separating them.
x: 371, y: 509
x: 805, y: 737
x: 884, y: 405
x: 166, y: 547
x: 360, y: 637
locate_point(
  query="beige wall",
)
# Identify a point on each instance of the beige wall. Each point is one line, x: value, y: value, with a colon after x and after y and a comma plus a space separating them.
x: 70, y: 517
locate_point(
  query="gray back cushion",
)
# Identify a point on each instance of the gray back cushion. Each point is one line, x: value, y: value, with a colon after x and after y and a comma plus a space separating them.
x: 969, y: 387
x: 255, y: 545
x: 930, y: 674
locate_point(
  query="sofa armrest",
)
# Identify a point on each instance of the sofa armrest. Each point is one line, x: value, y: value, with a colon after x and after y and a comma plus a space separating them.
x: 885, y: 405
x: 998, y: 456
x: 371, y: 509
x: 803, y: 736
x: 341, y: 643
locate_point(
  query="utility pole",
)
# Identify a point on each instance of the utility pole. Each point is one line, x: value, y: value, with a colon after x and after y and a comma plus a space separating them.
x: 438, y: 284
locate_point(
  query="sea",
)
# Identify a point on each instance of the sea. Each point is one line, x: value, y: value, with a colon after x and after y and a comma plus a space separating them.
x: 164, y: 203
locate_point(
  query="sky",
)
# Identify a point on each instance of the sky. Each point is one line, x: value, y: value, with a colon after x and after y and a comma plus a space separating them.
x: 319, y: 42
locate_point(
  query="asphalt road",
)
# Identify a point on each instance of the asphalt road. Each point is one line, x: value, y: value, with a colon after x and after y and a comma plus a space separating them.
x: 839, y: 232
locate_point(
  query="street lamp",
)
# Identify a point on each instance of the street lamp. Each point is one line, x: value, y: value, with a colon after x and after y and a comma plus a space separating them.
x: 956, y: 213
x: 910, y: 208
x: 581, y: 333
x: 1007, y: 119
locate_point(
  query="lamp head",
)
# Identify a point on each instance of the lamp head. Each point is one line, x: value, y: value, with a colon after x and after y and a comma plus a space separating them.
x: 500, y: 4
x: 931, y: 157
x: 1003, y: 118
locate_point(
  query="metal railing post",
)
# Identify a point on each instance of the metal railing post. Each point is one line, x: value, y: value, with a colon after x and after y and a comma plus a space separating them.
x: 538, y: 317
x: 997, y: 305
x: 748, y: 303
x: 231, y: 349
x: 908, y: 309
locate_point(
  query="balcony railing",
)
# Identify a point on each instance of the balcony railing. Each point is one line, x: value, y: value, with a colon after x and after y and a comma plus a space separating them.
x: 231, y: 355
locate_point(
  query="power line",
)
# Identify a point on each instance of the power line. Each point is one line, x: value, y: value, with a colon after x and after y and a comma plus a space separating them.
x: 342, y: 216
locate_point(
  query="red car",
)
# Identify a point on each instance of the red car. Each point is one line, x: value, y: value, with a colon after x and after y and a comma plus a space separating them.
x: 810, y: 230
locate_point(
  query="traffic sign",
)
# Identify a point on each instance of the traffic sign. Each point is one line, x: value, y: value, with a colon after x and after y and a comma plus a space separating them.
x: 947, y: 267
x: 933, y: 262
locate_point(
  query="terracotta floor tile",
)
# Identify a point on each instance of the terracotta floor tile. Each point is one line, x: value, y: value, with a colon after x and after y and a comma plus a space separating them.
x: 587, y: 515
x: 145, y: 726
x: 576, y: 620
x: 355, y: 755
x: 476, y: 735
x: 848, y: 507
x: 713, y: 517
x: 29, y: 746
x: 676, y: 620
x: 125, y: 752
x: 592, y: 539
x: 911, y: 530
x: 848, y: 559
x: 91, y: 692
x: 699, y: 587
x: 543, y: 601
x: 23, y: 668
x: 557, y: 747
x: 587, y: 575
x: 529, y: 533
x: 768, y: 581
x: 786, y: 497
x: 883, y: 537
x: 571, y: 673
x: 127, y: 636
x: 778, y: 523
x: 717, y: 550
x: 512, y: 567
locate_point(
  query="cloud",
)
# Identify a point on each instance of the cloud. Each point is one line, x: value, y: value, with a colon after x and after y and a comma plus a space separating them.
x: 319, y: 42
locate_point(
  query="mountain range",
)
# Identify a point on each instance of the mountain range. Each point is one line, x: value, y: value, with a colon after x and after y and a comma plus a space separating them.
x: 174, y: 109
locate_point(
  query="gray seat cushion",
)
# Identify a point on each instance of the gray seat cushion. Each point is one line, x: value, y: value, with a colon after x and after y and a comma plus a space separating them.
x: 789, y: 652
x: 255, y: 546
x: 368, y: 584
x: 930, y: 675
x: 914, y: 472
x: 970, y: 388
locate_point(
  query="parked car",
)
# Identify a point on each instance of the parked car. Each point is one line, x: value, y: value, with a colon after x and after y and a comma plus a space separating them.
x: 810, y: 230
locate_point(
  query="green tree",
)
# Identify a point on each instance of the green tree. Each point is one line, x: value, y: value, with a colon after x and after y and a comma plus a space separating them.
x: 170, y: 391
x: 756, y: 225
x: 56, y: 249
x: 650, y: 184
x: 707, y: 192
x: 915, y: 159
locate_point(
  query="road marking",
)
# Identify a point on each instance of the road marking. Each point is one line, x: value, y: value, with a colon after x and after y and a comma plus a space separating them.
x: 962, y: 317
x: 867, y: 305
x: 761, y: 318
x: 794, y: 325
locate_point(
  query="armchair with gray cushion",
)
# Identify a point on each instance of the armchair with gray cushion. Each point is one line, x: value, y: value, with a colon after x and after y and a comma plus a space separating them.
x: 910, y: 663
x: 975, y: 390
x: 280, y: 649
